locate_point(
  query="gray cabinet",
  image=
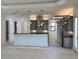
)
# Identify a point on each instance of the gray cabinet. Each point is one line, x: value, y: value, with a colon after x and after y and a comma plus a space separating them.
x: 39, y: 29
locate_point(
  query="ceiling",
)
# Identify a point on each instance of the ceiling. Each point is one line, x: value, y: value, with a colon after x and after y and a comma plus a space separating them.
x: 11, y: 2
x: 23, y: 7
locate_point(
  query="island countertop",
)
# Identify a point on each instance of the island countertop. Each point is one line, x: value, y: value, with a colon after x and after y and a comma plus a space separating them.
x: 30, y: 33
x: 31, y: 39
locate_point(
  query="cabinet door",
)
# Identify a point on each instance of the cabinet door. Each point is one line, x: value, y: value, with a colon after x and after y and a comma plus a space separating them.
x: 33, y: 25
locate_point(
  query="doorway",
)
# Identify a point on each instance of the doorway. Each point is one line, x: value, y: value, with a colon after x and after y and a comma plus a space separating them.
x: 7, y: 31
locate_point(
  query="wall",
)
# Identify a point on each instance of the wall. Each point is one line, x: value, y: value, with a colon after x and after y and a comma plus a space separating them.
x: 11, y: 29
x: 75, y: 34
x: 3, y: 29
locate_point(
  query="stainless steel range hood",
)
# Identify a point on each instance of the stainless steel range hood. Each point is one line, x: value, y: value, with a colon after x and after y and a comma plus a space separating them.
x: 39, y: 20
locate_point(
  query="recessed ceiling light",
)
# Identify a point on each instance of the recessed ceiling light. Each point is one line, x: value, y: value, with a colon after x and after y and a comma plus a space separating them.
x: 14, y: 13
x: 42, y: 10
x: 29, y: 10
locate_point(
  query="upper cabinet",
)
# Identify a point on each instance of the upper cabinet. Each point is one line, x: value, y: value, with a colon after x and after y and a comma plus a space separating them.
x: 39, y: 24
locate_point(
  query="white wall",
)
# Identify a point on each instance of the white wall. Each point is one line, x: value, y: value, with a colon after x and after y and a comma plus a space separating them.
x: 24, y: 24
x: 19, y: 25
x: 11, y: 29
x: 3, y: 29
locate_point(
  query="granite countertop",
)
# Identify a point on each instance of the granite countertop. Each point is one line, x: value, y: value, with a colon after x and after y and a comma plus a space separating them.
x: 30, y: 33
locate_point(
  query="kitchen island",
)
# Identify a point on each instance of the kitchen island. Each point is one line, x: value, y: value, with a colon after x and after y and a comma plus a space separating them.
x: 31, y: 39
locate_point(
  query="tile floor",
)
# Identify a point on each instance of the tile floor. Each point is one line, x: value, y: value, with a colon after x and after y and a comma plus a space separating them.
x: 13, y: 52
